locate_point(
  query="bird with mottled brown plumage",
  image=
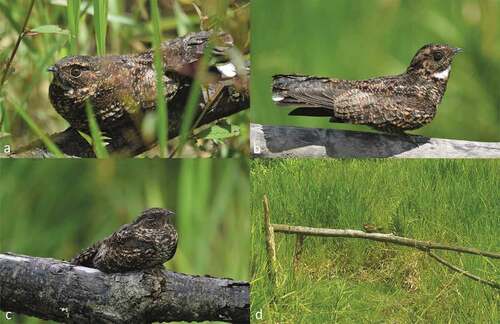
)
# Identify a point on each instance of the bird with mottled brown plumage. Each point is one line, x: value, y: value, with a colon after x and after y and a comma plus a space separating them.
x: 146, y: 243
x: 391, y: 103
x: 122, y: 88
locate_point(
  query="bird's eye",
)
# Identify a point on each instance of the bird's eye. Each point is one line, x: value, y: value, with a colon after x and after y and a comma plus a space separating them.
x: 438, y: 56
x: 76, y: 72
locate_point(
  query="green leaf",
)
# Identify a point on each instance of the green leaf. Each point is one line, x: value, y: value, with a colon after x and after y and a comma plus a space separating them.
x: 48, y: 29
x: 220, y: 131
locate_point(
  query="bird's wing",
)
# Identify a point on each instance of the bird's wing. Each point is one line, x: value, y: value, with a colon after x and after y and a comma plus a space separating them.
x: 369, y: 102
x: 135, y: 247
x: 182, y: 54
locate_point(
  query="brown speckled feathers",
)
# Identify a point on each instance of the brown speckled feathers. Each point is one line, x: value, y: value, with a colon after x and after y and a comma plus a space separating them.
x: 146, y: 243
x: 394, y: 103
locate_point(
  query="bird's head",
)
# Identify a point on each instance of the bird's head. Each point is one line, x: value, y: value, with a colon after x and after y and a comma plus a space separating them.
x: 78, y: 76
x: 155, y: 218
x: 434, y: 60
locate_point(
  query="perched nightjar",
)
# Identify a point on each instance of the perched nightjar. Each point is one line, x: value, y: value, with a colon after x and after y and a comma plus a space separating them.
x: 392, y: 103
x: 146, y: 243
x: 122, y: 88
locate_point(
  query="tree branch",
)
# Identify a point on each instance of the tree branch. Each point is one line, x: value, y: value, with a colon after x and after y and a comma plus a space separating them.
x: 285, y: 141
x: 390, y: 238
x: 462, y: 271
x: 55, y: 290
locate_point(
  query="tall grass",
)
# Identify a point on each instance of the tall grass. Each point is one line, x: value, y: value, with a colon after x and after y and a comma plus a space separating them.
x: 21, y: 111
x: 73, y: 13
x: 161, y: 104
x: 97, y: 141
x: 100, y: 24
x: 346, y: 280
x: 188, y: 125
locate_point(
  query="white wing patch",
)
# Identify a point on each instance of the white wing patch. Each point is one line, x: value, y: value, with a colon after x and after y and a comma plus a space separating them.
x: 277, y: 98
x: 443, y: 75
x: 228, y: 70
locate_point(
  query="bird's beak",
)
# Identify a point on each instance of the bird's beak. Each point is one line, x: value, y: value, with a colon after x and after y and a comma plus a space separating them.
x: 457, y: 50
x: 52, y: 69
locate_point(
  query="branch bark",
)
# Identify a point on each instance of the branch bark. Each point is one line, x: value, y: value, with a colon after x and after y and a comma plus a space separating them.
x: 286, y: 141
x: 55, y: 290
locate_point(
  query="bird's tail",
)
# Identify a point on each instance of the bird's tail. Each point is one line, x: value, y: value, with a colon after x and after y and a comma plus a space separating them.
x: 85, y: 258
x: 307, y: 92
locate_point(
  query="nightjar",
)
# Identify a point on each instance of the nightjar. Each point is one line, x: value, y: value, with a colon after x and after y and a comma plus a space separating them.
x: 390, y: 103
x: 148, y: 242
x: 122, y: 88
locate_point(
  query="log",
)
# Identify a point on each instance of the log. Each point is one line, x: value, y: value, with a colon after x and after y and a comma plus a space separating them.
x: 56, y: 290
x: 298, y: 142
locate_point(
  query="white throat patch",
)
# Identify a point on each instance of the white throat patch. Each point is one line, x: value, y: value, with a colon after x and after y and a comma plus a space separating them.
x: 443, y: 75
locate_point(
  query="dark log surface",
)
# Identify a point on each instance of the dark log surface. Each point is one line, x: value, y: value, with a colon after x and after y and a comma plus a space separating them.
x: 56, y: 290
x: 298, y: 142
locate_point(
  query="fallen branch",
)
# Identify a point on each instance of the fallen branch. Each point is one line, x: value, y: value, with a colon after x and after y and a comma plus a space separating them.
x: 389, y: 238
x: 55, y: 290
x: 302, y: 231
x: 286, y: 141
x: 71, y: 143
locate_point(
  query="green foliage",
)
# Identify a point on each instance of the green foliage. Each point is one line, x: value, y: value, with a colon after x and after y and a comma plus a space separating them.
x: 344, y: 280
x: 35, y: 129
x: 55, y: 208
x: 73, y: 13
x: 220, y: 131
x: 97, y: 141
x: 100, y: 24
x: 362, y: 39
x: 162, y: 122
x: 48, y: 29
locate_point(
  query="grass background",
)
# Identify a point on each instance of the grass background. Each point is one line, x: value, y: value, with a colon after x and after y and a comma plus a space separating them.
x: 89, y: 28
x: 55, y: 208
x: 363, y: 39
x: 359, y: 281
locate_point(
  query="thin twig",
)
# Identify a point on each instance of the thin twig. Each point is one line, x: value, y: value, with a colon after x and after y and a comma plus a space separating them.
x: 462, y: 271
x: 18, y: 42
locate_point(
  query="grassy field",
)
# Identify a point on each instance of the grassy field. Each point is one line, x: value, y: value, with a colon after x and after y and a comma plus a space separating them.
x: 363, y: 39
x: 55, y: 208
x: 359, y: 281
x: 97, y: 28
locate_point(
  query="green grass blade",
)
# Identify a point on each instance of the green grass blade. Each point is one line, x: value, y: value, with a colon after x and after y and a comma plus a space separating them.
x: 73, y: 12
x: 161, y: 105
x: 51, y: 146
x: 95, y: 132
x: 193, y: 100
x: 100, y: 24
